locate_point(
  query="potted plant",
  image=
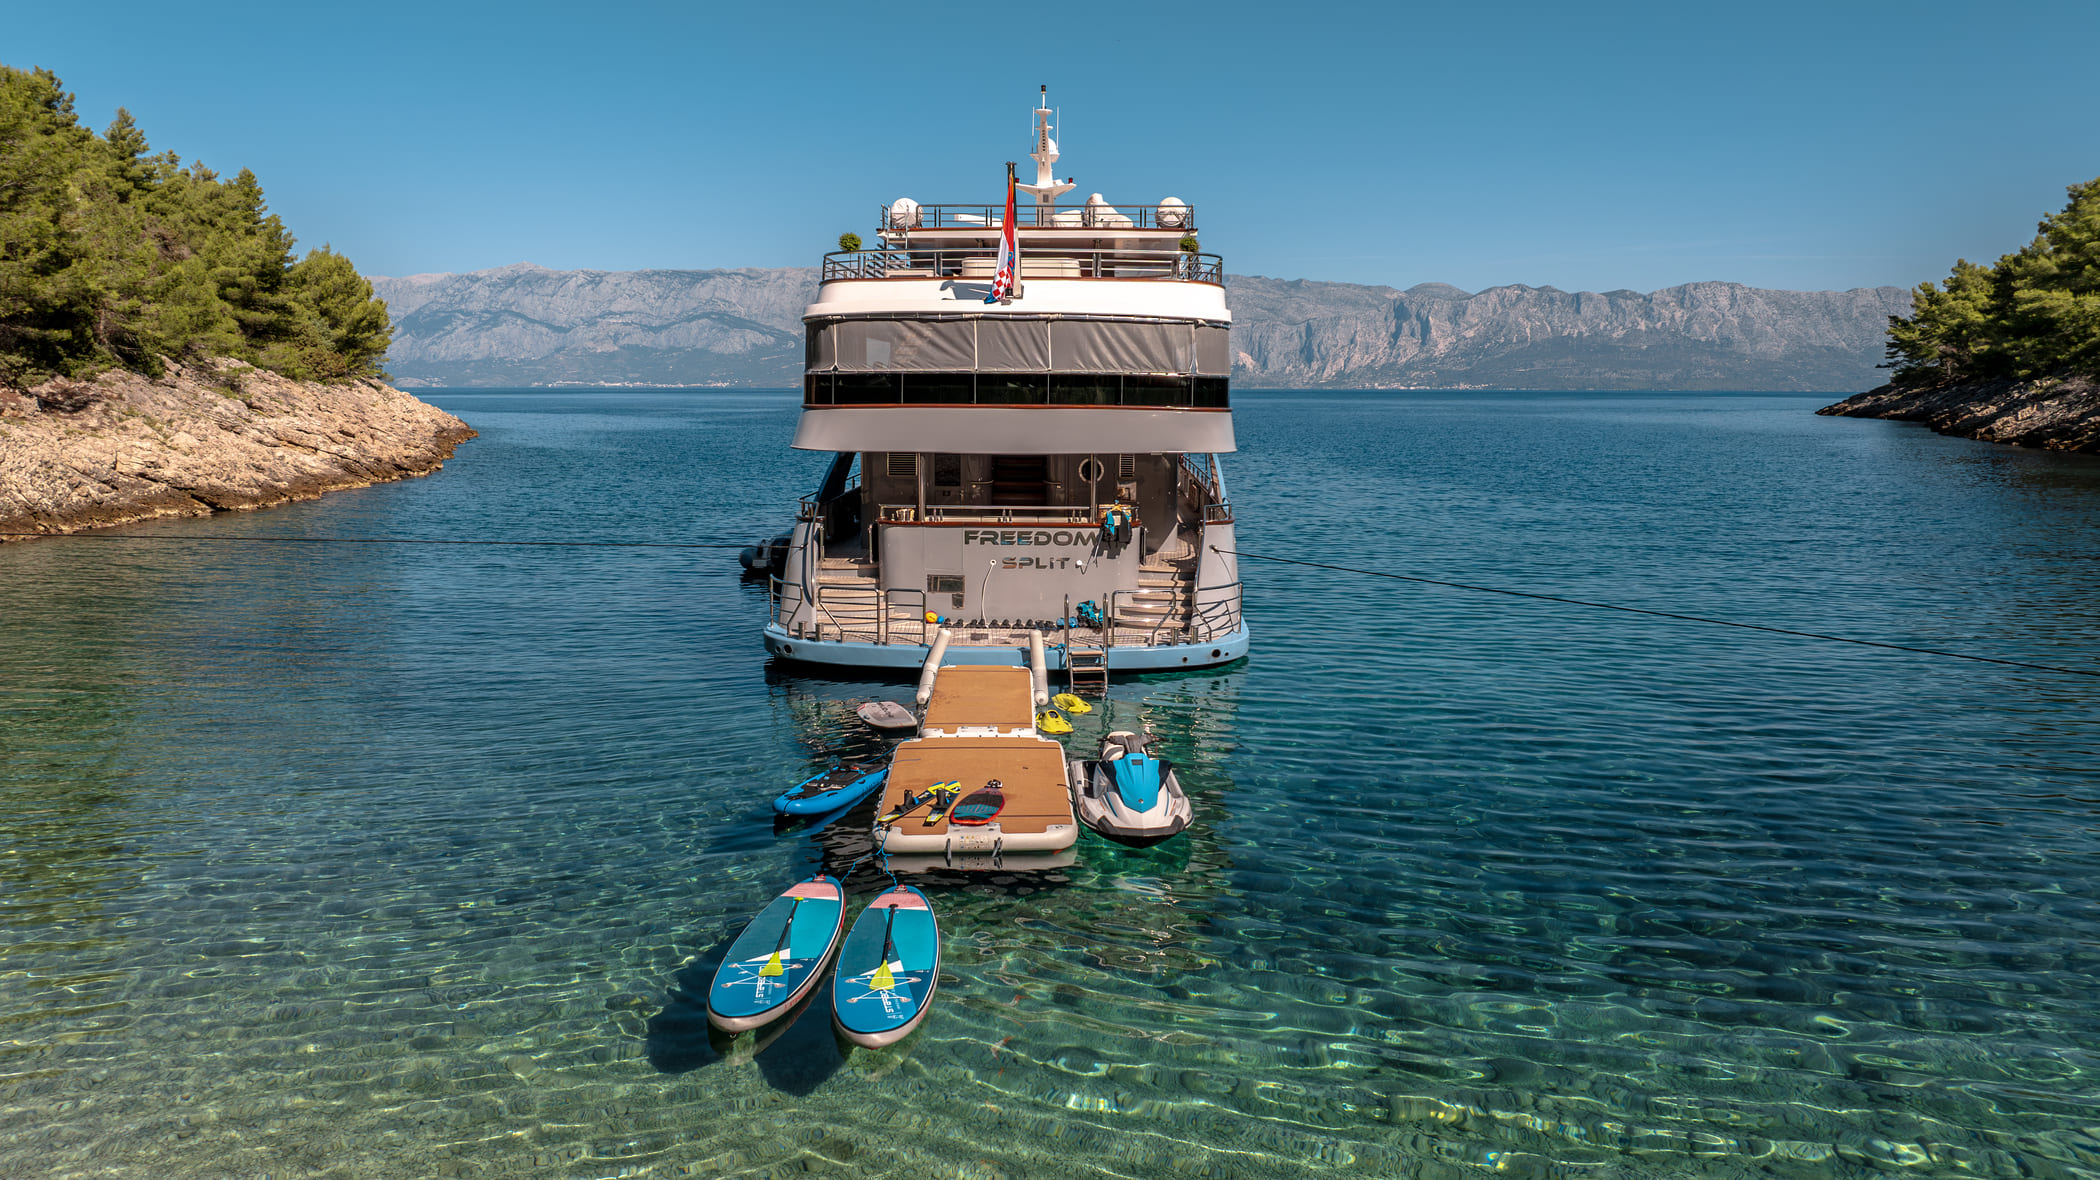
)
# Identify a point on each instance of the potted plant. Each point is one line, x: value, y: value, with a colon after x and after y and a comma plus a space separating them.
x: 849, y: 241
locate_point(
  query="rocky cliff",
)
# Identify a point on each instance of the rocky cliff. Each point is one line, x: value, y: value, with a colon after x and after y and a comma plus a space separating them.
x: 526, y: 325
x: 202, y: 439
x: 2057, y: 413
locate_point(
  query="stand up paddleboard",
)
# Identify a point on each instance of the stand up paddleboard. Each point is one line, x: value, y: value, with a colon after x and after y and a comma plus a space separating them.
x: 779, y: 957
x: 834, y: 790
x: 888, y: 969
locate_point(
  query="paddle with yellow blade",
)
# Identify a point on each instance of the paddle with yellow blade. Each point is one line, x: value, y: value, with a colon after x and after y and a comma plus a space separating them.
x: 773, y: 965
x: 889, y: 969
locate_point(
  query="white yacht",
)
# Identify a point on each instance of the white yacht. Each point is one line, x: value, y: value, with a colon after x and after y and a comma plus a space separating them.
x: 1016, y: 448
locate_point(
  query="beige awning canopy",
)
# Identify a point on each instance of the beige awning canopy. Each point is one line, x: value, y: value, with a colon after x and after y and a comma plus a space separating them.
x: 1019, y: 344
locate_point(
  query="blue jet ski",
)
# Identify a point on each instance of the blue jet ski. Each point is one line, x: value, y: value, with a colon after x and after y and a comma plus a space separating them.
x: 1127, y: 794
x: 834, y: 790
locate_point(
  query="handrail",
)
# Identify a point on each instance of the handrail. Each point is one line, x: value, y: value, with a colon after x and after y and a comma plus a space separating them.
x: 918, y: 616
x: 1108, y: 263
x: 1066, y: 514
x: 1230, y: 608
x: 1041, y: 216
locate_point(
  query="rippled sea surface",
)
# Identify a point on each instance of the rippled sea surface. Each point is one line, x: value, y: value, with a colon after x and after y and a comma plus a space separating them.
x: 392, y: 861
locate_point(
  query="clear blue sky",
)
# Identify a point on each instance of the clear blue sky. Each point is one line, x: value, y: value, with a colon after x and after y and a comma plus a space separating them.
x: 1583, y: 145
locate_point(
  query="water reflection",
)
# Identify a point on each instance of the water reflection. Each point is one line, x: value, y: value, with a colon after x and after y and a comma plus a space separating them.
x: 418, y: 865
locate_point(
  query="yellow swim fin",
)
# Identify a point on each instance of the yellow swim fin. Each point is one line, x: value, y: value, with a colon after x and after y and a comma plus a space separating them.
x: 1070, y: 703
x: 1051, y: 721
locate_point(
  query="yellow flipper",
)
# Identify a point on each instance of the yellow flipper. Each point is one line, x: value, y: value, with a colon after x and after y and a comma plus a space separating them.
x: 1070, y: 703
x: 1051, y: 721
x: 883, y: 980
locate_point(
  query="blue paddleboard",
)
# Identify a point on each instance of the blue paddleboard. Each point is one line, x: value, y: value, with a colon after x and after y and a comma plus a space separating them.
x: 834, y: 790
x: 779, y: 957
x: 877, y: 998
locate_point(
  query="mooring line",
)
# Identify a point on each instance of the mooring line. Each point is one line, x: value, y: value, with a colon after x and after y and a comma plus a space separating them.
x: 389, y: 541
x: 1662, y: 614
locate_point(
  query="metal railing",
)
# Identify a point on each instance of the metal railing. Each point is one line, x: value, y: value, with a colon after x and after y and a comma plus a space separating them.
x: 1080, y: 216
x: 989, y: 514
x: 1220, y: 616
x: 977, y: 263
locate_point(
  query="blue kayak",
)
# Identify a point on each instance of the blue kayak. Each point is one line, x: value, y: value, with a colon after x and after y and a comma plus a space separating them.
x: 779, y: 957
x: 888, y: 969
x: 834, y: 790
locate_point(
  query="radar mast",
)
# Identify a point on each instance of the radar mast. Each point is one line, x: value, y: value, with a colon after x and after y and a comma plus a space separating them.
x: 1046, y: 188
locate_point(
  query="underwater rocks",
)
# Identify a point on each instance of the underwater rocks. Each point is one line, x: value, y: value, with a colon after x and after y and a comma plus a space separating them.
x: 204, y: 438
x: 2054, y: 413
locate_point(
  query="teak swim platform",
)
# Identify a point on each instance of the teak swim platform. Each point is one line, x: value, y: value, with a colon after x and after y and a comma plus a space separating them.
x: 979, y: 727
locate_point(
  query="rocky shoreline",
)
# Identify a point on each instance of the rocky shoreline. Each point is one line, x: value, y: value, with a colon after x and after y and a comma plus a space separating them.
x: 2054, y: 413
x: 212, y: 437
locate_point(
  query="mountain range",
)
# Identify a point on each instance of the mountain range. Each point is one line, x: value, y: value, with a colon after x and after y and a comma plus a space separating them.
x: 525, y: 325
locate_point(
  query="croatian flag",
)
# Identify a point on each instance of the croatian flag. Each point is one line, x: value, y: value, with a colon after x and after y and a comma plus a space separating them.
x: 1009, y: 250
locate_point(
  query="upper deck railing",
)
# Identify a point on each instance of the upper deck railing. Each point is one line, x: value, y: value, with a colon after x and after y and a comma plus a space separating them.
x: 1151, y: 217
x: 981, y: 262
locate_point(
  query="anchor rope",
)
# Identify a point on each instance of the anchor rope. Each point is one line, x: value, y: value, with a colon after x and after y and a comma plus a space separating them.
x: 1662, y: 614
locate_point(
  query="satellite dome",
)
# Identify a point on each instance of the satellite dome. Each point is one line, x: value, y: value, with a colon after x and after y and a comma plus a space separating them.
x: 904, y: 213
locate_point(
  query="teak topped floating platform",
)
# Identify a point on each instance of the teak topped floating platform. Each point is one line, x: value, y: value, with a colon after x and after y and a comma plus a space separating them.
x: 980, y: 726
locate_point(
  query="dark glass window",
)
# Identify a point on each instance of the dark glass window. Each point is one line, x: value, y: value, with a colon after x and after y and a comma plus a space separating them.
x: 939, y: 388
x: 816, y: 389
x: 1085, y: 389
x: 865, y: 389
x: 947, y: 471
x: 1012, y: 389
x: 1210, y: 392
x: 1155, y: 391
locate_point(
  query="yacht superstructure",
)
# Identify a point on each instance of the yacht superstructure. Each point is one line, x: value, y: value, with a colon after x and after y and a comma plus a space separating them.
x: 1026, y: 451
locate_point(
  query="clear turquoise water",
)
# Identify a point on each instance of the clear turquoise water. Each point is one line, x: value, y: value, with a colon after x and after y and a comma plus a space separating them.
x: 406, y: 862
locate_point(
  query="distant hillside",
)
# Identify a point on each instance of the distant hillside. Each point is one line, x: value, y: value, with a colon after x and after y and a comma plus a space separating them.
x: 526, y: 325
x: 1697, y: 336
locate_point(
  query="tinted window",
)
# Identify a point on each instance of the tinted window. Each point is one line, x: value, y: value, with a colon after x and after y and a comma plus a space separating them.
x: 861, y: 389
x: 1210, y: 392
x: 939, y: 388
x: 1155, y: 391
x: 1012, y: 389
x: 1085, y: 389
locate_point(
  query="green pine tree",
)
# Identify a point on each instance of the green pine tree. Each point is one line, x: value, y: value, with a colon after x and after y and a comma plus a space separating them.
x: 111, y: 256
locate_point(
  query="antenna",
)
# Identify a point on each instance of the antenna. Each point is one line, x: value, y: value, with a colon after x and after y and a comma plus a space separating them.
x: 1046, y: 188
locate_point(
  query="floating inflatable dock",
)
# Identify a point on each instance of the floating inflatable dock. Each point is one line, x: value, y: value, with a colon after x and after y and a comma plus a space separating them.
x: 978, y: 728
